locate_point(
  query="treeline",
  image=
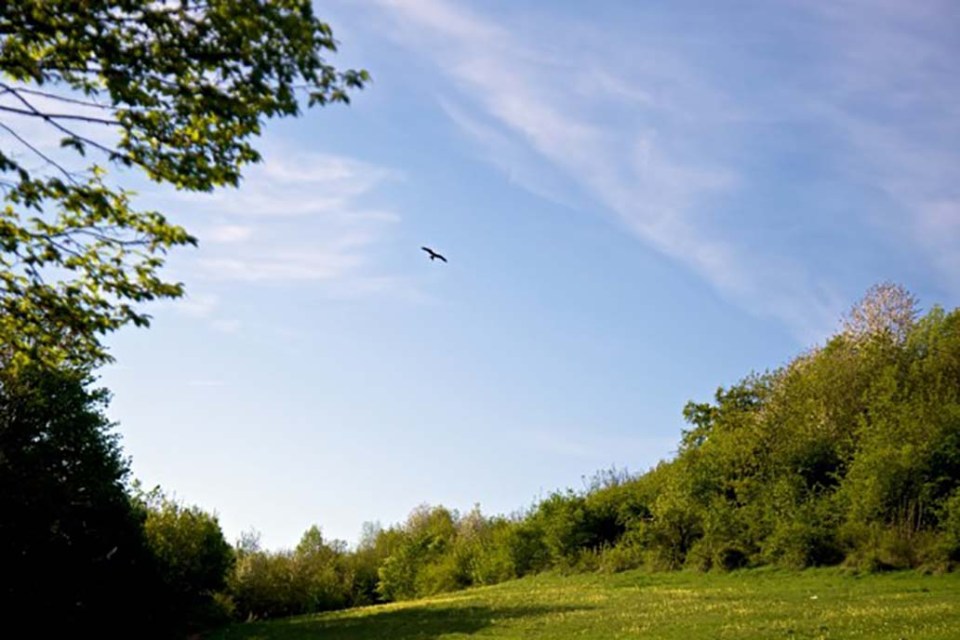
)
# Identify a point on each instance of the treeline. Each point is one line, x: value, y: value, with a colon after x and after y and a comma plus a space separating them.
x: 848, y: 454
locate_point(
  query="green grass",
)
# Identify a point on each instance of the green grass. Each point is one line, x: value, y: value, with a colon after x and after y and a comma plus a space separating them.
x: 764, y: 603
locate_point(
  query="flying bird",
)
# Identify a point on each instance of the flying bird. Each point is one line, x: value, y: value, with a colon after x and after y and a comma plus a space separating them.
x: 433, y: 254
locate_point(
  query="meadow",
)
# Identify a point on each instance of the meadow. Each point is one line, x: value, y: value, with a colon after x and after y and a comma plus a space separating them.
x: 756, y: 603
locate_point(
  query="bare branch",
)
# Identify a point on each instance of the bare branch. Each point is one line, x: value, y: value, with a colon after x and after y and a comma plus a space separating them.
x: 58, y: 116
x: 93, y: 143
x: 53, y: 96
x: 47, y: 158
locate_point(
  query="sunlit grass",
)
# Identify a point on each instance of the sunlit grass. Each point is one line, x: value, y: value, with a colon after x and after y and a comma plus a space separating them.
x: 822, y: 603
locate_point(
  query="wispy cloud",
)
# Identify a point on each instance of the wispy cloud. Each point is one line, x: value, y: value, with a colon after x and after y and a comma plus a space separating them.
x: 227, y: 325
x: 206, y: 307
x: 298, y: 183
x: 206, y: 384
x: 229, y: 233
x: 679, y: 133
x: 298, y: 218
x: 197, y: 305
x: 282, y: 265
x: 623, y: 136
x: 895, y: 98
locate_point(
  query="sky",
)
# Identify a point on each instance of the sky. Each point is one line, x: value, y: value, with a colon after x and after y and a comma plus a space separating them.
x: 639, y: 202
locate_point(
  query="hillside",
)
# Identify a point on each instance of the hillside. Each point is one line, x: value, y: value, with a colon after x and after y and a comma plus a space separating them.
x: 764, y: 603
x: 847, y: 455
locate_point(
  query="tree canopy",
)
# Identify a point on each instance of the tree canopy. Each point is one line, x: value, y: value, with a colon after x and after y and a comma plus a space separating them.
x: 177, y: 89
x: 73, y: 555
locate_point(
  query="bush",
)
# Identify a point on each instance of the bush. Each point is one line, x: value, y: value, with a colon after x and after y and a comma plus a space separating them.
x: 526, y: 548
x: 806, y: 535
x: 625, y: 555
x: 950, y: 525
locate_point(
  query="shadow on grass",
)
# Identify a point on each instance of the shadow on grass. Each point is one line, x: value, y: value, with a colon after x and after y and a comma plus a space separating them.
x: 422, y: 623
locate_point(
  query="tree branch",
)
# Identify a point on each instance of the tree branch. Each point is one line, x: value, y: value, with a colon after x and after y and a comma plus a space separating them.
x: 93, y: 143
x: 53, y: 96
x: 58, y: 116
x: 47, y: 158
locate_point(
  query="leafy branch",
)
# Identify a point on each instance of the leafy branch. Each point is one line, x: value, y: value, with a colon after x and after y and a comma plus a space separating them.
x: 187, y: 86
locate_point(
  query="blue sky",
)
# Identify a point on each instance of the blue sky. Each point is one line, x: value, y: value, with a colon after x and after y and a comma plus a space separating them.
x: 639, y: 202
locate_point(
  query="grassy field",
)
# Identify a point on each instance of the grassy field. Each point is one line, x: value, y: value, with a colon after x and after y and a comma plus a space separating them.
x: 822, y: 603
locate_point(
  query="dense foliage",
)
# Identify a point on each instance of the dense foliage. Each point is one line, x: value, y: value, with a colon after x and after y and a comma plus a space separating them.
x: 81, y: 553
x: 191, y: 562
x: 73, y: 555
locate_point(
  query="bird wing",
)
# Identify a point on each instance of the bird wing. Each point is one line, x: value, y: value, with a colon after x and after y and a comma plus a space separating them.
x: 433, y: 254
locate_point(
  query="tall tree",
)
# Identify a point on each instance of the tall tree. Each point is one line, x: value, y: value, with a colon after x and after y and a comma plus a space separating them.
x: 73, y: 554
x: 175, y: 88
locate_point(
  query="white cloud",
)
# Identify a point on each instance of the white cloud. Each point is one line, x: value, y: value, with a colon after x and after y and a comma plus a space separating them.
x: 231, y: 325
x: 895, y: 101
x: 297, y: 183
x: 629, y: 140
x: 206, y: 383
x: 229, y: 233
x: 197, y: 305
x: 284, y: 265
x: 513, y: 157
x: 298, y: 217
x: 206, y: 307
x: 666, y: 127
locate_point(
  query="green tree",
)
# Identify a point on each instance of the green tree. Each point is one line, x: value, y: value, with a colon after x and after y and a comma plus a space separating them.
x: 320, y: 576
x: 175, y: 88
x: 316, y: 576
x: 262, y: 584
x: 417, y: 565
x: 73, y: 555
x: 364, y: 562
x: 192, y: 558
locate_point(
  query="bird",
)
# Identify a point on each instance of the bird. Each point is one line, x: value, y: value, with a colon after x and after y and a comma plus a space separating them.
x: 433, y: 254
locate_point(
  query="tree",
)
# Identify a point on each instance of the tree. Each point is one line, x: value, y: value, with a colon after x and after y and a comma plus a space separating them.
x: 193, y: 559
x: 320, y: 573
x: 313, y: 577
x: 422, y: 543
x: 886, y: 308
x: 73, y: 553
x: 175, y: 88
